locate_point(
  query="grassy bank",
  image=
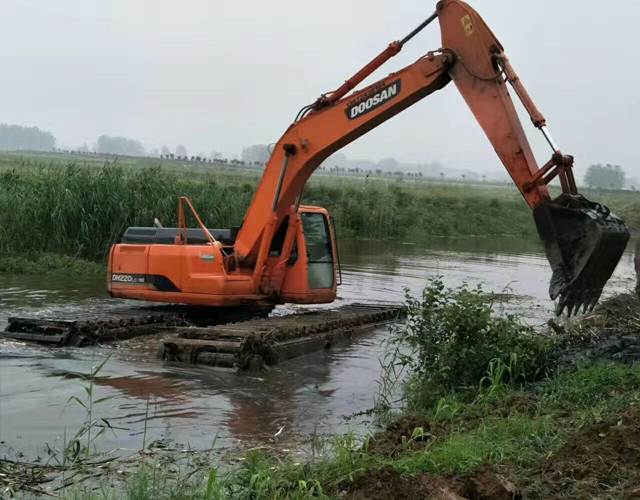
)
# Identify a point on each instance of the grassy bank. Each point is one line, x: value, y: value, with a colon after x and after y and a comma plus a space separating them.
x: 79, y: 210
x: 491, y: 409
x: 50, y: 264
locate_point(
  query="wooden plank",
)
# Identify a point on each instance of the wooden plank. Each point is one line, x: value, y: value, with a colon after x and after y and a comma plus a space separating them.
x: 25, y: 324
x: 211, y: 344
x: 216, y: 359
x: 34, y: 337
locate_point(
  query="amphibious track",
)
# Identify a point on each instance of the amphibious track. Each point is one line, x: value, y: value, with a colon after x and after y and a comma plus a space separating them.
x: 239, y: 338
x: 256, y: 343
x: 93, y: 326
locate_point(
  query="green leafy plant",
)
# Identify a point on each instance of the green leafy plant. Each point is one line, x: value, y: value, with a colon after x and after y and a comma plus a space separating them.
x: 82, y: 443
x: 453, y: 340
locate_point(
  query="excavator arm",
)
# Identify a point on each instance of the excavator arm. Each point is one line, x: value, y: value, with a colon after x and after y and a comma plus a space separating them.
x: 583, y: 240
x: 314, y: 137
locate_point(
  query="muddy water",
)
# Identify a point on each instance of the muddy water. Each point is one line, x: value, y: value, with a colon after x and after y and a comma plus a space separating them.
x: 190, y: 406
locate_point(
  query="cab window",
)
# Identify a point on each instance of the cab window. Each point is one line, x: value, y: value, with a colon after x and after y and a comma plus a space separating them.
x: 319, y: 250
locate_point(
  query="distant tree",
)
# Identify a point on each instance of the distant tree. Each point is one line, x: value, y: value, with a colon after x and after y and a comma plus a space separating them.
x: 14, y: 137
x: 164, y: 151
x: 119, y: 146
x: 336, y: 159
x: 605, y: 176
x: 257, y: 152
x: 181, y: 151
x: 389, y: 164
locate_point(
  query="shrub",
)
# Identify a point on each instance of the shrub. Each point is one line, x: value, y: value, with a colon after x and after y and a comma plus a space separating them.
x: 452, y: 338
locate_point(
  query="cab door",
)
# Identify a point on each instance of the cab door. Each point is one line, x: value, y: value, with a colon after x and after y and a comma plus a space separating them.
x: 319, y: 248
x: 311, y: 267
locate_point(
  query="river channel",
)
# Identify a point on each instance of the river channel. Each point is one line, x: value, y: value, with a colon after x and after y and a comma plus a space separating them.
x: 191, y: 406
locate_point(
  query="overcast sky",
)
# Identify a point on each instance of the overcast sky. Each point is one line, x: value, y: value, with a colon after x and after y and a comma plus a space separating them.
x: 218, y: 75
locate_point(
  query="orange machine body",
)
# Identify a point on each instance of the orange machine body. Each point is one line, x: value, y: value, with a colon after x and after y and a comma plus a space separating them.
x: 300, y: 266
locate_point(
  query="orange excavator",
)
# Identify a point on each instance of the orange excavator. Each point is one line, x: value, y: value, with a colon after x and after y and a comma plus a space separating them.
x: 285, y: 251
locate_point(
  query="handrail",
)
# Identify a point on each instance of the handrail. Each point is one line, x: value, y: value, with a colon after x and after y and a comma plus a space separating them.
x: 181, y: 237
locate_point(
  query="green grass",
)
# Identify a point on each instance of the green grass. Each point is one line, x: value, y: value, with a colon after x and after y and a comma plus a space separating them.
x: 517, y: 438
x: 50, y: 264
x: 80, y: 209
x: 78, y: 205
x: 485, y: 432
x: 591, y: 385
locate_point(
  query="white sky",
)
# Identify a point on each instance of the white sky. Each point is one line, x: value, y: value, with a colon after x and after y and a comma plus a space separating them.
x: 219, y: 75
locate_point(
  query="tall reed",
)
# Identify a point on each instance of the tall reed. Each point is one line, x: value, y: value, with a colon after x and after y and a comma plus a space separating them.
x: 80, y: 210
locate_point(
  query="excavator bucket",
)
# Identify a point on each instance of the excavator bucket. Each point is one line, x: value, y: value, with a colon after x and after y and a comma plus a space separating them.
x: 584, y: 242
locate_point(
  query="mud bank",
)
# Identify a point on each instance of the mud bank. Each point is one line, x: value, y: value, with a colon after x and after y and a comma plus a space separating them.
x: 610, y: 333
x: 389, y: 483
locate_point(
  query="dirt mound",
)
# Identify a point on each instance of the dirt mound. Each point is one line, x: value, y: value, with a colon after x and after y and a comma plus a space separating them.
x: 600, y: 457
x: 408, y: 432
x: 485, y: 484
x: 610, y: 333
x: 618, y: 313
x: 389, y: 484
x: 623, y: 302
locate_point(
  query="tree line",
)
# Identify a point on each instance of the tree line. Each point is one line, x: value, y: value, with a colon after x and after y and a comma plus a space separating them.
x: 16, y: 137
x: 605, y: 176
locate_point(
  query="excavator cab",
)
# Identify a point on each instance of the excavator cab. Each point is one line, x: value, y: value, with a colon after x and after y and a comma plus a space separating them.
x: 197, y: 265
